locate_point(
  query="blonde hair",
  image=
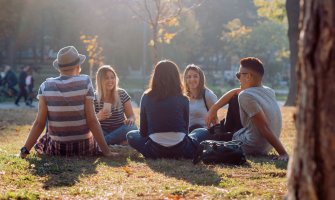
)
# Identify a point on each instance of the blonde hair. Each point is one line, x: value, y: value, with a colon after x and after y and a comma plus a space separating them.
x: 101, y: 90
x: 202, y: 80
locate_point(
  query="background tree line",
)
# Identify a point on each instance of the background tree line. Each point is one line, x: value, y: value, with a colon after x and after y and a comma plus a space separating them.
x: 213, y: 34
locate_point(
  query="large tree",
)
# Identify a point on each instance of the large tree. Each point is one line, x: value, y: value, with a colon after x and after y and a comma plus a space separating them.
x: 158, y: 14
x: 311, y: 171
x: 292, y: 10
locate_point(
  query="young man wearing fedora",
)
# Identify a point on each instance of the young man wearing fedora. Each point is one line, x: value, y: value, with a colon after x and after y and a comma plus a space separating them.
x: 259, y: 111
x: 66, y: 102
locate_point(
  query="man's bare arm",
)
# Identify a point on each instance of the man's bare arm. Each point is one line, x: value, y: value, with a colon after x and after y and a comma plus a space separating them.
x: 212, y: 113
x: 259, y: 120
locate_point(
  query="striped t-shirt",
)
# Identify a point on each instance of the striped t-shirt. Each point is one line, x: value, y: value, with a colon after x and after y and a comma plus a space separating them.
x: 117, y: 117
x: 65, y: 98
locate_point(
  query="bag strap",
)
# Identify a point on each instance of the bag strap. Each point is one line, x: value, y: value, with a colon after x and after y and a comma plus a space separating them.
x: 204, y: 98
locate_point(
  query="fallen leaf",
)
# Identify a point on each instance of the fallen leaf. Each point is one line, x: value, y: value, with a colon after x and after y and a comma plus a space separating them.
x: 174, y: 197
x: 127, y: 170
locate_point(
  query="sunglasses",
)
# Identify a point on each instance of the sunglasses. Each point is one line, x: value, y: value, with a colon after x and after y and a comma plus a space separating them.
x: 238, y: 74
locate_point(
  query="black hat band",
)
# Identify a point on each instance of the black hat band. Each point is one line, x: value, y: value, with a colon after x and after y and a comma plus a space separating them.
x: 70, y: 64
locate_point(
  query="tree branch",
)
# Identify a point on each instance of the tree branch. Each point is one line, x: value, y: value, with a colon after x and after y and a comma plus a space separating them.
x: 142, y: 17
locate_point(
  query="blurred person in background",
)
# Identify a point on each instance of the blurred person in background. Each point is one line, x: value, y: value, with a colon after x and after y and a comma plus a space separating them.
x: 30, y: 86
x: 22, y: 86
x: 10, y: 81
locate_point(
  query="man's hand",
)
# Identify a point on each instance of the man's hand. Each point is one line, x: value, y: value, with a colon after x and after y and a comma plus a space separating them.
x: 110, y: 154
x: 211, y: 117
x: 283, y: 157
x: 259, y: 120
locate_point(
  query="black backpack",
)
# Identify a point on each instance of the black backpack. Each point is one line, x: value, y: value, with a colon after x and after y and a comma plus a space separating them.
x: 215, y: 152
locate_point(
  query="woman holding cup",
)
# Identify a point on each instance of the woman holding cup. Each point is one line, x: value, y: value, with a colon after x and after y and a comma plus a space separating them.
x: 113, y: 107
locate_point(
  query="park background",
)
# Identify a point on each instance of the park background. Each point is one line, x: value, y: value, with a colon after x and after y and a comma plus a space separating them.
x: 214, y: 34
x: 133, y: 35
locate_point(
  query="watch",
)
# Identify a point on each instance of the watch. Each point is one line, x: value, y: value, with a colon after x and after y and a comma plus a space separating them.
x: 24, y: 150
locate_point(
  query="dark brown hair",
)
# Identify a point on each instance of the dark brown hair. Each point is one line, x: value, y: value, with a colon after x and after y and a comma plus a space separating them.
x: 253, y: 64
x: 165, y: 81
x: 201, y: 85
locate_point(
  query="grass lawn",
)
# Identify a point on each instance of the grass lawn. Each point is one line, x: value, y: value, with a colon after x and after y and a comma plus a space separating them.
x: 130, y: 176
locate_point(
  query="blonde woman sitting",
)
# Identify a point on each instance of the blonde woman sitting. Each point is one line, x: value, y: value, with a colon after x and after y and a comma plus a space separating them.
x: 113, y: 107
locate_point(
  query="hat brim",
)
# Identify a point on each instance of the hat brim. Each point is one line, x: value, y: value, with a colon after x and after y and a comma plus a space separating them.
x: 82, y: 59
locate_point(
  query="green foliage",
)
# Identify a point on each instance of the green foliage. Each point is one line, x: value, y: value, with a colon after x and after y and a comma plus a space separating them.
x: 194, y: 35
x: 94, y: 50
x: 184, y: 48
x: 273, y: 10
x: 236, y: 29
x: 266, y: 40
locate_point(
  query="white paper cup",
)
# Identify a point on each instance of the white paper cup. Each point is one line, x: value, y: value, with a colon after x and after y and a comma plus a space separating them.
x: 107, y: 107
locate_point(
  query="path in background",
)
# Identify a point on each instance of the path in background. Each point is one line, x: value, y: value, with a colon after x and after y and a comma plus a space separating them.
x: 11, y: 105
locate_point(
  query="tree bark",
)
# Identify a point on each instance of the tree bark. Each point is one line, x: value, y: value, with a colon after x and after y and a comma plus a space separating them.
x: 292, y: 9
x: 155, y: 43
x: 11, y: 51
x: 311, y: 169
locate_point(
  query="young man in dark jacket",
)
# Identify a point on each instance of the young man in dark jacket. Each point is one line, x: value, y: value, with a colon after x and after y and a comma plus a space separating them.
x: 22, y: 85
x: 10, y: 80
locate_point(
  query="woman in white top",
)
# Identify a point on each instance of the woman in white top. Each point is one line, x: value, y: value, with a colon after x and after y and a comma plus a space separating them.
x: 201, y: 97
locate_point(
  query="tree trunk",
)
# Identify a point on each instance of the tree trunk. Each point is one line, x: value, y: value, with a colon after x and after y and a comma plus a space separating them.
x: 311, y: 170
x: 155, y: 43
x: 11, y: 52
x: 292, y: 9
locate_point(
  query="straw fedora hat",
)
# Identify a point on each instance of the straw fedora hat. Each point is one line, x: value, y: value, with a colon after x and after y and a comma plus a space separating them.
x: 67, y: 58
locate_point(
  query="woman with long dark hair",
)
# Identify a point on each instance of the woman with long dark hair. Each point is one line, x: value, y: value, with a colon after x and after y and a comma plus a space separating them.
x: 164, y: 117
x: 201, y: 97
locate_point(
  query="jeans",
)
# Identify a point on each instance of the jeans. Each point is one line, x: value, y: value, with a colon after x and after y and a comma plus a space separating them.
x: 233, y: 121
x: 193, y: 127
x: 118, y: 135
x: 150, y: 149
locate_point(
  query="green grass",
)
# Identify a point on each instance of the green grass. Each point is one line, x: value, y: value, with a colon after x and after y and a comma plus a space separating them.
x: 130, y: 176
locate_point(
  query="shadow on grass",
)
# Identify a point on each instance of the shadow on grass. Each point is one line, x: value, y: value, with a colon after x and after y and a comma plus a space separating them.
x: 202, y: 174
x: 269, y: 160
x: 185, y: 170
x: 66, y: 171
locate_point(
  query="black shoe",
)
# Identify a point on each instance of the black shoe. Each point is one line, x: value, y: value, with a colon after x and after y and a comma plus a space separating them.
x: 17, y: 104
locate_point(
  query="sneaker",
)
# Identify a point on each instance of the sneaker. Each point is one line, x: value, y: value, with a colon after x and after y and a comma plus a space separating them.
x: 17, y: 104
